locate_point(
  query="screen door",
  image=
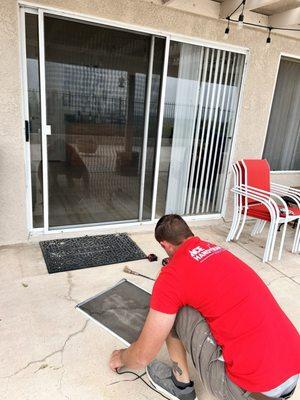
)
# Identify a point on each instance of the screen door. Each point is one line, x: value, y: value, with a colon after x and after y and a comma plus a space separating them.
x: 94, y: 104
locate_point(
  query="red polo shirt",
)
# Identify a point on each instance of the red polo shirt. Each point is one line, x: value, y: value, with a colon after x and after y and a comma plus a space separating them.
x: 260, y: 345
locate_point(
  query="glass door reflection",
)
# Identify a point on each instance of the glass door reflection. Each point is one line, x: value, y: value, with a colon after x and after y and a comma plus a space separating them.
x: 96, y: 82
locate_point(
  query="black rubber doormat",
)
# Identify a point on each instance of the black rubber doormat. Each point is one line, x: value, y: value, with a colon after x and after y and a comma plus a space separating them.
x: 89, y: 251
x: 121, y: 310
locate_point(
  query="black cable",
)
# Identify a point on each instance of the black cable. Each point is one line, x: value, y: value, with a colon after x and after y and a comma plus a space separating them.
x: 257, y: 25
x: 288, y: 29
x: 137, y: 376
x: 264, y: 26
x: 242, y: 3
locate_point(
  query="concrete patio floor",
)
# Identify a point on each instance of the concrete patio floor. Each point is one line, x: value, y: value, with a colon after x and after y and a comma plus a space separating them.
x: 50, y: 351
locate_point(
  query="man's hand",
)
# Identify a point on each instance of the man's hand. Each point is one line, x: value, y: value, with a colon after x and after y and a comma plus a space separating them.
x: 116, y: 360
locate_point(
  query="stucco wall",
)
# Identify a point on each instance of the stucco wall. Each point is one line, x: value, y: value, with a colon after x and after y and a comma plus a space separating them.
x: 255, y: 107
x: 12, y: 162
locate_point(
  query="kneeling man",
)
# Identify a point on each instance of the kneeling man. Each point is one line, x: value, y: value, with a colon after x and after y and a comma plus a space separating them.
x: 212, y: 305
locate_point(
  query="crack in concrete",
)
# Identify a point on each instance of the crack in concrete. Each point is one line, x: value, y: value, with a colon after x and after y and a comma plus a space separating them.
x: 124, y: 380
x: 59, y: 351
x: 69, y: 296
x: 275, y: 279
x: 61, y: 377
x: 43, y: 366
x: 295, y: 276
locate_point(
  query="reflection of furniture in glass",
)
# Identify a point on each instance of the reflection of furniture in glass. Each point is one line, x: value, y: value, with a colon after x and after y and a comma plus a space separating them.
x: 116, y: 140
x: 68, y: 163
x: 91, y: 179
x: 88, y: 133
x: 127, y: 163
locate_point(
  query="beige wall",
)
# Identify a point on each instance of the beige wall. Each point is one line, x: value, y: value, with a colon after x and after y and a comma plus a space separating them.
x: 12, y: 162
x: 255, y: 107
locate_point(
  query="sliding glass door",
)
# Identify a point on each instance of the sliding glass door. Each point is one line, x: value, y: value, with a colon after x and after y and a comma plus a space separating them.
x: 124, y: 126
x: 96, y: 89
x: 101, y: 105
x: 203, y: 87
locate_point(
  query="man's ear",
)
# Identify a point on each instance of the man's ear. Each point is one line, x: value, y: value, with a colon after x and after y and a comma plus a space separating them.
x: 168, y: 247
x: 164, y: 244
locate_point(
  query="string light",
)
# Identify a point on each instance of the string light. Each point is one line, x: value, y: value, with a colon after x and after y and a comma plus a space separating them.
x: 241, y: 16
x: 241, y: 23
x: 226, y: 34
x: 268, y: 41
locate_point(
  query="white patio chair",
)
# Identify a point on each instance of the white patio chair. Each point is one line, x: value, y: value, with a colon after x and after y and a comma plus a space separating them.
x: 255, y: 197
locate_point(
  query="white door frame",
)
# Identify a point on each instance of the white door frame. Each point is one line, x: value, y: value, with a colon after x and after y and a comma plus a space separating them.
x: 160, y: 126
x: 136, y: 28
x: 25, y: 115
x: 146, y: 128
x: 40, y: 10
x: 44, y: 126
x: 234, y: 135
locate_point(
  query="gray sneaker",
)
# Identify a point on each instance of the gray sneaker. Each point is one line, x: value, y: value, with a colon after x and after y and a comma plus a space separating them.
x: 160, y: 375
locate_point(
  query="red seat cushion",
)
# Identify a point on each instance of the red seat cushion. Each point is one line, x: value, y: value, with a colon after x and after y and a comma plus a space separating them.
x: 261, y: 212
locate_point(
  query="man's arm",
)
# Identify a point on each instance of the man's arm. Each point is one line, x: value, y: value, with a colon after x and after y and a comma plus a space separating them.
x: 156, y: 329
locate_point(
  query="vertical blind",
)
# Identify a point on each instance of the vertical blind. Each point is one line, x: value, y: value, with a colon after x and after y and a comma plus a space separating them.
x: 282, y: 147
x: 207, y: 93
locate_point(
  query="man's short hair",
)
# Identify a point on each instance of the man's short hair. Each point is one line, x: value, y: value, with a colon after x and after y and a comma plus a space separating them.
x: 173, y: 229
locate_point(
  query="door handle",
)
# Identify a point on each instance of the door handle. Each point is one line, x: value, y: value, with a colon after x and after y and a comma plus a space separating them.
x: 27, y: 131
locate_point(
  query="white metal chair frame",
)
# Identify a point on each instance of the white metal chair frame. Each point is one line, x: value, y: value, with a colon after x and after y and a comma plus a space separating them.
x: 243, y: 192
x: 295, y: 195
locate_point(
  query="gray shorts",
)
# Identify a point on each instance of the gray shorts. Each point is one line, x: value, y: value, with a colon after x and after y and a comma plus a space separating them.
x: 194, y: 333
